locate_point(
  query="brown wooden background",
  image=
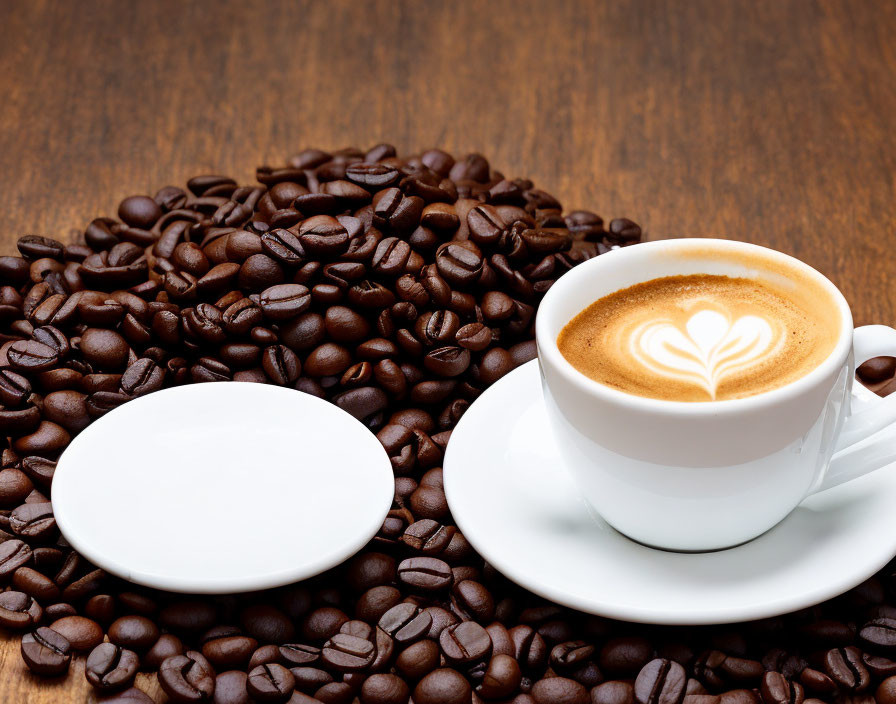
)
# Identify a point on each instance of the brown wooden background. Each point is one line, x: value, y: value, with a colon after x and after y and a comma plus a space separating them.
x: 770, y: 121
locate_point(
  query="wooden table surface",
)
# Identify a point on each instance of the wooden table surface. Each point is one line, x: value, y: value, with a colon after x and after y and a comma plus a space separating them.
x: 767, y: 121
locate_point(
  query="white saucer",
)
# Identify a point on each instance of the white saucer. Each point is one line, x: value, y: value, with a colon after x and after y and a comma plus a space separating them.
x: 521, y: 511
x: 222, y: 487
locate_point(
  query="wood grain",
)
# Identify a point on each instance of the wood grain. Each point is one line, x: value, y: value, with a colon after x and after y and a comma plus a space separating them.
x: 766, y: 121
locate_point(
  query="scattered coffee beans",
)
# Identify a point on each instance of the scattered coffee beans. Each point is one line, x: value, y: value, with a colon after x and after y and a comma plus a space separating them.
x: 398, y: 289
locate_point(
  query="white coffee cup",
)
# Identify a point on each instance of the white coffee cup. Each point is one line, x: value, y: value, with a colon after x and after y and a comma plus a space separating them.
x: 707, y: 475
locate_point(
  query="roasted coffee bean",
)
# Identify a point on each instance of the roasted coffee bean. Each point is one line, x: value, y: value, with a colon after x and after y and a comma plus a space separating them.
x: 559, y: 690
x: 29, y: 356
x: 501, y: 679
x: 142, y: 377
x: 530, y: 650
x: 458, y: 265
x: 14, y: 487
x: 323, y: 623
x: 105, y: 349
x: 777, y: 689
x: 284, y: 301
x: 35, y: 584
x: 346, y: 653
x: 660, y: 681
x: 886, y: 691
x: 231, y: 688
x: 134, y: 632
x: 14, y: 388
x: 384, y: 689
x: 614, y: 692
x: 465, y: 643
x: 418, y: 660
x: 270, y: 683
x: 845, y: 667
x: 46, y: 652
x: 298, y: 655
x: 110, y: 667
x: 281, y: 365
x: 267, y: 624
x: 879, y: 634
x: 35, y: 522
x: 82, y: 633
x: 36, y: 247
x: 187, y: 678
x: 443, y: 686
x: 19, y: 611
x: 166, y: 646
x: 624, y: 657
x: 406, y: 623
x: 426, y: 574
x: 877, y: 369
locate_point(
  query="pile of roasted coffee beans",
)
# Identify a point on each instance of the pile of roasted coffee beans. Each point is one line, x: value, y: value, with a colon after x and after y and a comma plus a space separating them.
x: 398, y: 289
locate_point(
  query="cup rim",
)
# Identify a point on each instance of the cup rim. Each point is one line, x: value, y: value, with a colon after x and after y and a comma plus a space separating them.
x: 549, y: 353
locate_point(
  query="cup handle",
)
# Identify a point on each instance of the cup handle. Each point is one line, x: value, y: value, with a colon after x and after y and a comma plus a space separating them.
x: 858, y: 452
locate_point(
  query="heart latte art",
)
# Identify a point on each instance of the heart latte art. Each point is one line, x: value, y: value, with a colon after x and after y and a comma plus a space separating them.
x: 700, y: 338
x: 710, y: 346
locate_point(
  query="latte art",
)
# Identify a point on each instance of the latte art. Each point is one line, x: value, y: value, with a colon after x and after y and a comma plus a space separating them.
x: 710, y: 347
x: 702, y: 337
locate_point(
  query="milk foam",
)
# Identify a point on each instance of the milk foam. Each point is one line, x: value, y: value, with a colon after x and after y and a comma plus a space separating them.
x: 703, y: 337
x: 710, y: 346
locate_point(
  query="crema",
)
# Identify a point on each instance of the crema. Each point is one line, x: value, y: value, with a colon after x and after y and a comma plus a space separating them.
x: 702, y: 337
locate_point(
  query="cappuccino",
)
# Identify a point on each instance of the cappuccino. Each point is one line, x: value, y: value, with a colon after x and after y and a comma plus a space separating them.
x: 703, y: 337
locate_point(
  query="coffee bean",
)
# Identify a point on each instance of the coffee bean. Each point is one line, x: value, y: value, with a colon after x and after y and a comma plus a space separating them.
x: 14, y: 388
x: 35, y: 584
x: 559, y: 690
x: 82, y: 633
x: 231, y: 688
x: 35, y: 522
x: 187, y: 678
x: 270, y: 683
x: 128, y: 696
x: 110, y: 667
x: 384, y: 689
x: 459, y: 265
x: 660, y: 681
x: 465, y: 643
x: 323, y: 623
x: 530, y: 650
x: 406, y: 623
x: 624, y: 657
x: 447, y: 361
x: 280, y: 364
x: 29, y: 356
x: 142, y: 377
x: 347, y: 653
x: 105, y: 349
x: 19, y: 611
x: 443, y: 686
x: 614, y: 692
x: 845, y: 667
x: 879, y: 634
x: 501, y: 679
x: 46, y: 652
x: 777, y: 689
x: 284, y: 301
x: 36, y: 247
x: 267, y: 624
x: 166, y: 646
x: 134, y: 632
x: 298, y: 655
x: 886, y: 691
x: 426, y: 574
x: 877, y: 369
